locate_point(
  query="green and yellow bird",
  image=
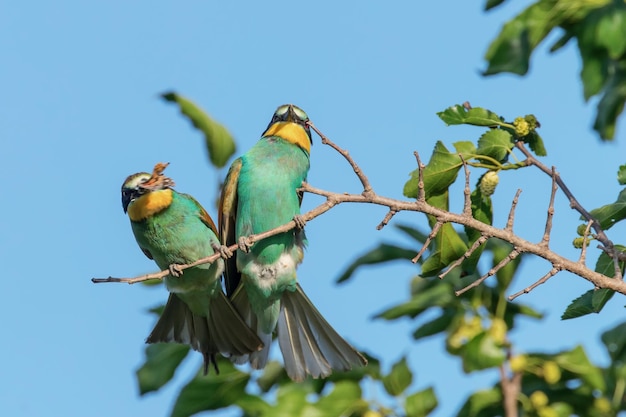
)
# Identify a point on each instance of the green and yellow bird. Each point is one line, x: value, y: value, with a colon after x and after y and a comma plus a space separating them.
x: 173, y: 229
x: 261, y: 193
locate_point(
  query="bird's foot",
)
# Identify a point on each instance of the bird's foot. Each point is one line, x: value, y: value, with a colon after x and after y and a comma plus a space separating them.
x: 244, y: 244
x: 300, y: 222
x: 223, y: 250
x: 175, y: 270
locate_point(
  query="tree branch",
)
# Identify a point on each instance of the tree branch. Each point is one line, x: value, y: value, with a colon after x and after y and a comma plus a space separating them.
x: 520, y: 245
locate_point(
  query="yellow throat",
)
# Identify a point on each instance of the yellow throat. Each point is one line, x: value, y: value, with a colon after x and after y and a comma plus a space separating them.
x: 291, y: 132
x: 149, y: 204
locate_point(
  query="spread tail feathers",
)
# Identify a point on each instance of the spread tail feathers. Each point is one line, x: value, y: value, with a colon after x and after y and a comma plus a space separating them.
x: 308, y: 343
x: 221, y: 331
x: 259, y: 358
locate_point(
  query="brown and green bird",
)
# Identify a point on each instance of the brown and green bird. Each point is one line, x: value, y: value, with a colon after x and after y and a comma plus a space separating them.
x: 173, y: 229
x: 261, y: 193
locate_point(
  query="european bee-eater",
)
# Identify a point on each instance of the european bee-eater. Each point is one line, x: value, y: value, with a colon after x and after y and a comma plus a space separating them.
x: 173, y: 229
x: 260, y: 193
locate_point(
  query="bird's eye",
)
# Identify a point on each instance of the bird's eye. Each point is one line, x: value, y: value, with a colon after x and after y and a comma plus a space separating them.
x: 281, y: 110
x: 300, y: 113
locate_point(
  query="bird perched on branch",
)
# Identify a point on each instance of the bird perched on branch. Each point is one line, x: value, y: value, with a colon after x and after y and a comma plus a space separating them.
x: 260, y: 193
x: 173, y: 229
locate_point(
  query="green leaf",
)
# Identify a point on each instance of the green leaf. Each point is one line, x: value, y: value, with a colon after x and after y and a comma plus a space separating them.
x: 482, y: 352
x: 621, y: 175
x: 219, y: 142
x: 273, y: 373
x: 576, y: 361
x: 611, y: 29
x: 344, y: 400
x: 449, y: 246
x: 611, y: 104
x: 594, y: 71
x: 383, y: 253
x: 437, y: 325
x: 291, y: 401
x: 439, y: 174
x: 437, y: 295
x: 465, y: 148
x: 475, y: 116
x: 162, y: 360
x: 495, y: 143
x: 511, y: 50
x: 211, y: 392
x: 398, y: 379
x: 421, y: 403
x: 535, y: 143
x: 253, y: 405
x: 612, y: 213
x: 493, y: 3
x: 615, y: 342
x: 590, y: 302
x: 605, y: 264
x: 157, y: 310
x: 412, y: 232
x: 485, y: 403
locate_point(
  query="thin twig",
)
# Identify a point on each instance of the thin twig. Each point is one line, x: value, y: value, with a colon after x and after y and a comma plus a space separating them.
x: 421, y: 193
x: 512, y: 255
x: 540, y: 281
x: 467, y: 201
x: 367, y: 188
x: 429, y: 239
x: 482, y: 239
x: 583, y: 251
x: 392, y: 212
x: 511, y: 218
x: 545, y: 240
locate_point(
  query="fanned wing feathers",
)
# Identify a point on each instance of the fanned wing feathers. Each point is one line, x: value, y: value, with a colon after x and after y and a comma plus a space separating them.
x: 308, y: 343
x: 226, y: 218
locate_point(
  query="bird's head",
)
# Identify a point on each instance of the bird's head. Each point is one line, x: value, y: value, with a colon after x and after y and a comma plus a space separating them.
x: 142, y: 183
x: 290, y: 122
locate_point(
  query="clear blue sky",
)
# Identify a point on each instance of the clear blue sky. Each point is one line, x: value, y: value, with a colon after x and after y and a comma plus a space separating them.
x: 80, y: 84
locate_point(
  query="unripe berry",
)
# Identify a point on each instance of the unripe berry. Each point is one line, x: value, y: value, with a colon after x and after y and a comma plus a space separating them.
x: 522, y: 127
x: 488, y: 183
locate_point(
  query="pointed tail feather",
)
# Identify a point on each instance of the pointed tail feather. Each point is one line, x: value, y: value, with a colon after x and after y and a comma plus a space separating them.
x: 222, y: 331
x: 308, y: 343
x: 259, y: 358
x: 230, y: 332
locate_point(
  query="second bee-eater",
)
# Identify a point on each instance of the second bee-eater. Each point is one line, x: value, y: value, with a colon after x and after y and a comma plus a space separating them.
x: 173, y: 229
x: 261, y: 193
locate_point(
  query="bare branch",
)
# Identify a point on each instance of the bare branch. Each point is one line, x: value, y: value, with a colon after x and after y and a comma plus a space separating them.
x: 421, y: 194
x: 574, y: 204
x: 482, y: 239
x: 545, y: 240
x: 467, y: 203
x: 511, y: 389
x: 542, y: 280
x: 429, y: 239
x: 511, y: 218
x: 442, y: 217
x: 583, y: 252
x: 512, y: 255
x: 392, y: 212
x: 367, y: 188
